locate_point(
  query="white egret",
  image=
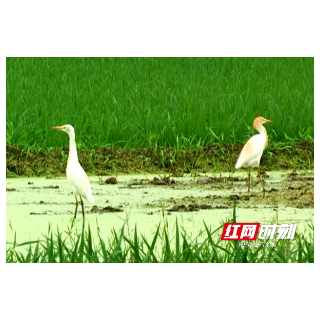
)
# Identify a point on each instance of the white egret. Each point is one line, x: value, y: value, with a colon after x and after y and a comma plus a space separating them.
x: 251, y: 153
x: 76, y: 175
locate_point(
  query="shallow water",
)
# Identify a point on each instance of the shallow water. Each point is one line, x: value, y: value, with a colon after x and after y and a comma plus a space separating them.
x: 33, y: 203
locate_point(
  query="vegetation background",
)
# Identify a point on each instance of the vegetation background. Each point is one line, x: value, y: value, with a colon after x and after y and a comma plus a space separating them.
x: 132, y: 103
x: 177, y: 110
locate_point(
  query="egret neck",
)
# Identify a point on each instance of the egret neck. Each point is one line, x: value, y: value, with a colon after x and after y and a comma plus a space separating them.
x: 262, y: 130
x: 73, y: 156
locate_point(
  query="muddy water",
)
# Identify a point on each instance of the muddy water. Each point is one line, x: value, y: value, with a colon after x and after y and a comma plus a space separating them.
x: 33, y: 203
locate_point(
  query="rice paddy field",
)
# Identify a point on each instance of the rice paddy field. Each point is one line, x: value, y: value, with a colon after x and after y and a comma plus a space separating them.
x: 172, y: 118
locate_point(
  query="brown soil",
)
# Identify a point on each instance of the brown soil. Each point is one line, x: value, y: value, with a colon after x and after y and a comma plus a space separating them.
x: 106, y: 161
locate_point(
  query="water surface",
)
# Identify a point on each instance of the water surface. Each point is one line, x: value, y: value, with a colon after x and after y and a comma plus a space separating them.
x: 34, y: 203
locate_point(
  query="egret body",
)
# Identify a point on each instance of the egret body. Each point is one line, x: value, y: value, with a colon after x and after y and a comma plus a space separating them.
x: 251, y: 152
x: 76, y: 175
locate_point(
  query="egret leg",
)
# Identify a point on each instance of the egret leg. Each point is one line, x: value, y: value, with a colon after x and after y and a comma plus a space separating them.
x: 82, y: 207
x: 249, y: 178
x: 262, y: 183
x: 75, y: 213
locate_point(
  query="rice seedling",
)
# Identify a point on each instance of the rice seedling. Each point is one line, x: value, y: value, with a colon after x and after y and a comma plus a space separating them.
x: 146, y: 102
x: 72, y: 246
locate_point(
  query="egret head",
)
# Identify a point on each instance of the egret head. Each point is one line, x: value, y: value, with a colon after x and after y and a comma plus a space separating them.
x: 68, y: 128
x: 257, y: 122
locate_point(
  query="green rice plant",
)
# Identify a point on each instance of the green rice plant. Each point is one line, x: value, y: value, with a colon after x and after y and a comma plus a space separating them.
x: 136, y: 103
x: 72, y: 246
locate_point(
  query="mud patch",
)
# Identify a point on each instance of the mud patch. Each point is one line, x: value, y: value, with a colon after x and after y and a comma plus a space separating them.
x: 111, y: 180
x: 162, y: 181
x: 37, y: 213
x: 11, y: 189
x: 140, y: 202
x: 190, y: 207
x: 45, y: 187
x: 296, y: 193
x: 96, y: 209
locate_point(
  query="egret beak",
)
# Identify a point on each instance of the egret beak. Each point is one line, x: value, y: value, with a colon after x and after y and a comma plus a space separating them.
x: 57, y: 128
x: 268, y: 121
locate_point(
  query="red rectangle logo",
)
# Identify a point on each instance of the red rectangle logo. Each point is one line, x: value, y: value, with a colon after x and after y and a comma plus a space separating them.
x: 240, y: 231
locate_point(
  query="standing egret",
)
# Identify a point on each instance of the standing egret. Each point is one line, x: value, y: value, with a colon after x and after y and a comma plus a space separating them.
x: 251, y: 153
x: 76, y: 175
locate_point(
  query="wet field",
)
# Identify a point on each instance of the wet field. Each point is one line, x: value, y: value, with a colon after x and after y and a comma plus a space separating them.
x: 147, y: 200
